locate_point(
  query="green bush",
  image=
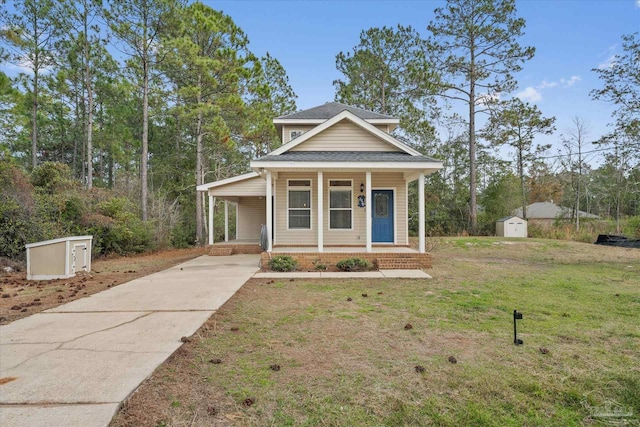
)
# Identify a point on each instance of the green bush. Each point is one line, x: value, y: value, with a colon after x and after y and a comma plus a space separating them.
x: 118, y: 229
x: 282, y: 263
x: 632, y: 228
x: 354, y: 264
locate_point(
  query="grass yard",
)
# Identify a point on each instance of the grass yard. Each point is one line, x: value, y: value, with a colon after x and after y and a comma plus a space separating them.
x: 353, y: 363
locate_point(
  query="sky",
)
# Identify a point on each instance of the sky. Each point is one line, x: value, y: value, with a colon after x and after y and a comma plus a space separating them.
x: 571, y: 38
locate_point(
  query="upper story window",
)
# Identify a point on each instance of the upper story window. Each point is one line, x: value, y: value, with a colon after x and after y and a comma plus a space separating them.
x: 299, y: 204
x: 295, y: 133
x: 340, y: 204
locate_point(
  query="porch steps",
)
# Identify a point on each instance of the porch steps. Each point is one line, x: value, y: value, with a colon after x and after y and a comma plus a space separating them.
x: 401, y: 261
x: 233, y: 249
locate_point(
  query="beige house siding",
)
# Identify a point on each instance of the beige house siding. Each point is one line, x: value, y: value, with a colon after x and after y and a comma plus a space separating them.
x: 251, y: 216
x: 286, y: 131
x: 383, y: 128
x: 48, y: 260
x: 248, y: 187
x: 345, y: 136
x: 355, y: 236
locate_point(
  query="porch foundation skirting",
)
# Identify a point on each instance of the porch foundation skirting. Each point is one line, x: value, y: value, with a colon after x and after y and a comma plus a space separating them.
x: 232, y: 249
x: 383, y: 260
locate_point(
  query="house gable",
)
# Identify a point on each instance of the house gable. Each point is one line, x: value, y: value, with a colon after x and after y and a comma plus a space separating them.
x: 374, y: 134
x: 345, y: 136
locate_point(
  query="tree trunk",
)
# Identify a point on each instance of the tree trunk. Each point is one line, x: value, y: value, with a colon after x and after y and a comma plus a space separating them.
x: 34, y: 119
x: 522, y: 186
x: 199, y: 167
x: 145, y: 136
x: 88, y: 84
x: 473, y: 209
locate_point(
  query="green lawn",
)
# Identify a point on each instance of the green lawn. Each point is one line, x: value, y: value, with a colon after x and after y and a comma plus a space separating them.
x: 353, y: 363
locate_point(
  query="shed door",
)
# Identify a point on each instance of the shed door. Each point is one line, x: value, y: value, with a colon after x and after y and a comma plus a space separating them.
x: 382, y: 216
x: 79, y: 258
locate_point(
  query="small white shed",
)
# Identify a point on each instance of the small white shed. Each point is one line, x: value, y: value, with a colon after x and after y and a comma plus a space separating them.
x: 511, y: 226
x: 58, y: 258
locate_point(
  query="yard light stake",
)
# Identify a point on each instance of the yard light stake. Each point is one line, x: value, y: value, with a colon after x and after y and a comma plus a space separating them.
x: 516, y: 316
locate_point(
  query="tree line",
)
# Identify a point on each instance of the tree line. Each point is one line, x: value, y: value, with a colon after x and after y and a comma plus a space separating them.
x: 467, y: 62
x: 146, y: 98
x: 126, y: 106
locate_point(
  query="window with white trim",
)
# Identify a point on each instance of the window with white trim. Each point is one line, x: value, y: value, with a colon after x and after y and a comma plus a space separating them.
x: 295, y: 133
x: 340, y: 204
x: 299, y: 204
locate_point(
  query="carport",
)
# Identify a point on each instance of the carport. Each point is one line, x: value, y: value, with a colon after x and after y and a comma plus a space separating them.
x: 247, y: 193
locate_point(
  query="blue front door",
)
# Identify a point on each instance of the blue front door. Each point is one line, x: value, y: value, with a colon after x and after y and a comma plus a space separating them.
x: 382, y: 216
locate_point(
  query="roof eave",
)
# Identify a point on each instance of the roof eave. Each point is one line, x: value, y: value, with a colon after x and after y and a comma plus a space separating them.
x: 257, y: 165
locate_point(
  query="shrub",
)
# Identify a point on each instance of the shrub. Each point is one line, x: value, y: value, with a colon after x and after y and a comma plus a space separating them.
x: 319, y: 265
x: 354, y: 264
x: 282, y: 263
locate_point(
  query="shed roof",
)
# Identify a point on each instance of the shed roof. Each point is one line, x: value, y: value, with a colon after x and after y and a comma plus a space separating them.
x: 506, y: 218
x: 548, y: 210
x: 61, y: 239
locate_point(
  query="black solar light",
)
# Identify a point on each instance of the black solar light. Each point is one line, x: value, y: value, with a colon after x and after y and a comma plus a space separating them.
x: 516, y: 316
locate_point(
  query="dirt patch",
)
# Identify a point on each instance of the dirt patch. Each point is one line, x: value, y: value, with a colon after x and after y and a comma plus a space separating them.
x: 20, y: 297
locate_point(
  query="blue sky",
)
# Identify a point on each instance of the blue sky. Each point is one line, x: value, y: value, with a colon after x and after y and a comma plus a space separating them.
x: 570, y: 37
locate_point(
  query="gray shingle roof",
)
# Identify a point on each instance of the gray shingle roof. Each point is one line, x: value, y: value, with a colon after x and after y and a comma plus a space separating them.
x: 330, y: 109
x: 346, y: 156
x: 547, y: 210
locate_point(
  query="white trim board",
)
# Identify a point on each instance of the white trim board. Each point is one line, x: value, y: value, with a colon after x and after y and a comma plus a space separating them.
x: 61, y: 239
x: 427, y: 167
x: 205, y: 187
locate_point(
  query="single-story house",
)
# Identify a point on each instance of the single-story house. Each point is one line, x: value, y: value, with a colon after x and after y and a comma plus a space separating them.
x: 550, y: 211
x: 340, y: 179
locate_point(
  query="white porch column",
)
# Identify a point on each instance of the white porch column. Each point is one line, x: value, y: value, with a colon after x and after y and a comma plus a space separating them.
x: 320, y: 212
x: 367, y: 210
x: 226, y: 221
x: 269, y: 211
x: 421, y: 213
x: 210, y: 219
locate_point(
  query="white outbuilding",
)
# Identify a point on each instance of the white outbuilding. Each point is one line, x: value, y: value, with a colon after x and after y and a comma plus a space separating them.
x: 511, y: 226
x: 58, y: 258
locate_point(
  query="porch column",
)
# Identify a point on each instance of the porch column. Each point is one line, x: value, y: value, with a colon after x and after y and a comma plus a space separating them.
x: 367, y: 210
x: 421, y: 212
x: 210, y: 219
x: 320, y: 213
x: 269, y: 211
x: 226, y: 221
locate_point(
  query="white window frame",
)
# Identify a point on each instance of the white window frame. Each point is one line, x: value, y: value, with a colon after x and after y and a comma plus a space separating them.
x: 298, y: 188
x: 329, y: 208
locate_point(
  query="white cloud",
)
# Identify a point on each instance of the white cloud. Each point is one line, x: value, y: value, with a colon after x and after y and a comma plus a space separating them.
x: 530, y: 94
x: 572, y: 80
x: 638, y: 3
x: 487, y: 98
x: 545, y: 84
x: 608, y: 63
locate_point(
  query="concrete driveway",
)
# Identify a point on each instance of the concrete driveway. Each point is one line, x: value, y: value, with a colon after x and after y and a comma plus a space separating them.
x: 74, y: 364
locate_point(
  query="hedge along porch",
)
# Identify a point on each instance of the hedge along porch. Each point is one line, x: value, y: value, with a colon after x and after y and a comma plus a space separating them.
x: 339, y: 180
